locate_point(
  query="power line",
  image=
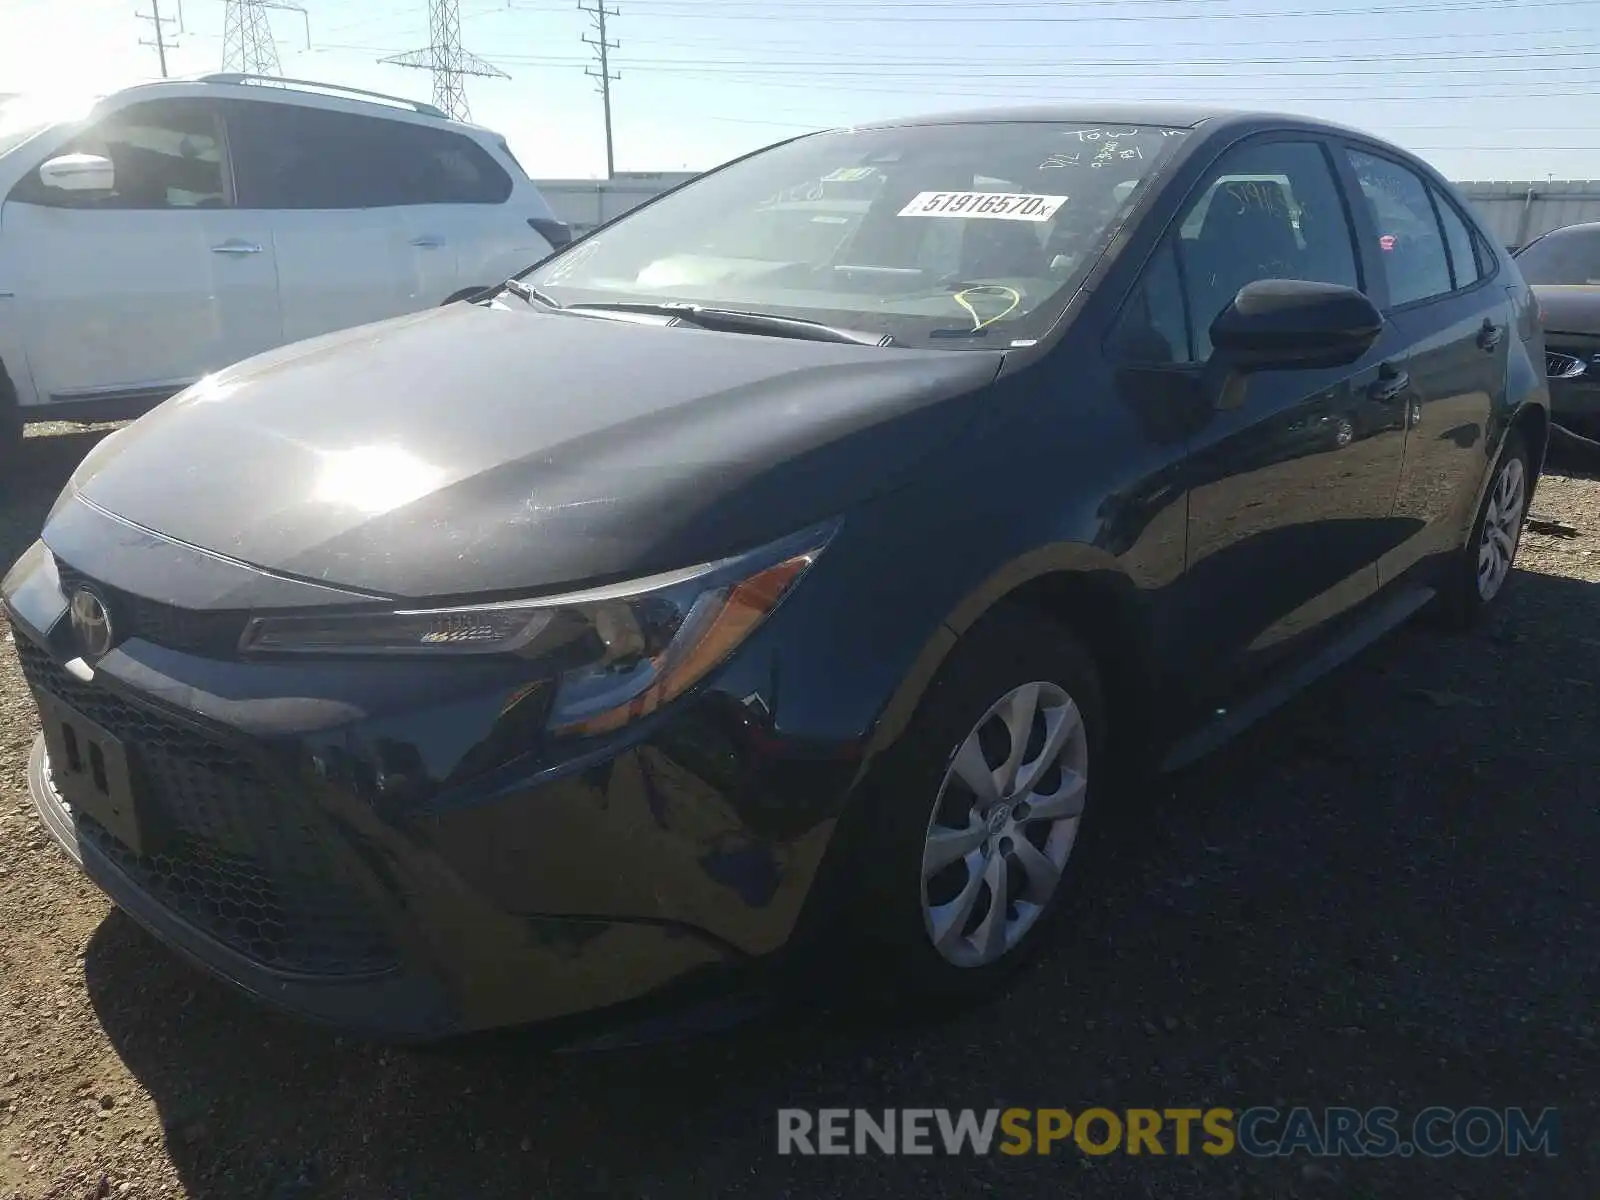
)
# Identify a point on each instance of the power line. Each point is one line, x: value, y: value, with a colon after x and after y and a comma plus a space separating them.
x: 1078, y: 16
x: 447, y: 60
x: 598, y: 15
x: 159, y: 23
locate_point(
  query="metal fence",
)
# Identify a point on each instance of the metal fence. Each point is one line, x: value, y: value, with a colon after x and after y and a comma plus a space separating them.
x: 1518, y: 212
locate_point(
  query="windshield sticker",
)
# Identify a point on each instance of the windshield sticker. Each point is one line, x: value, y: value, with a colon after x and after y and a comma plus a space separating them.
x: 997, y: 206
x: 849, y: 175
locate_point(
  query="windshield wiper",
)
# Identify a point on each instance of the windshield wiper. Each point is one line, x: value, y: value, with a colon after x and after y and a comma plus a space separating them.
x: 734, y: 320
x: 523, y: 291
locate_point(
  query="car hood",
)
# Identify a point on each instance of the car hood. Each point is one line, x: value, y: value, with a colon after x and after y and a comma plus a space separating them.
x: 1569, y: 308
x: 472, y: 449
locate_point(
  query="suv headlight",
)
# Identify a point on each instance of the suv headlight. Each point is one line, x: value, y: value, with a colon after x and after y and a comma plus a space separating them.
x: 616, y: 653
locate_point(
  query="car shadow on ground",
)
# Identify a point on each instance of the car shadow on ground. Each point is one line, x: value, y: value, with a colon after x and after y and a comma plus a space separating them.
x: 1382, y: 895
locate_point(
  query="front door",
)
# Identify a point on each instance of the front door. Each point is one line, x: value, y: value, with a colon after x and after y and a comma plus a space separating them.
x: 132, y: 292
x: 1459, y: 326
x: 1291, y: 473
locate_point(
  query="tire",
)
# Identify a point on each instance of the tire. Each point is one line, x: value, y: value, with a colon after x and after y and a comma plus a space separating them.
x: 1477, y: 581
x: 920, y: 795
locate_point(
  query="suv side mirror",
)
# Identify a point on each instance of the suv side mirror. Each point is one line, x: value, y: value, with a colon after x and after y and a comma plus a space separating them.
x: 1295, y: 323
x: 79, y: 173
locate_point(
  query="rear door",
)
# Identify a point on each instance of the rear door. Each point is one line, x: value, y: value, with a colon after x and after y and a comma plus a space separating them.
x: 1457, y: 322
x: 331, y: 184
x: 127, y: 295
x: 459, y: 206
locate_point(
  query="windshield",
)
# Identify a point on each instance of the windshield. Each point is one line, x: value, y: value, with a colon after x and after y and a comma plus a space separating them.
x: 940, y: 235
x: 1565, y: 256
x: 27, y: 114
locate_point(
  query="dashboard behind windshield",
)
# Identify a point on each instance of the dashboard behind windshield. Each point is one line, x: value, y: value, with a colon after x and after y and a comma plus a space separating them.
x: 939, y: 235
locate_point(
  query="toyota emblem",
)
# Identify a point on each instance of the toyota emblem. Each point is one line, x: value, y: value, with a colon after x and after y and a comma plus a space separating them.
x: 91, y: 621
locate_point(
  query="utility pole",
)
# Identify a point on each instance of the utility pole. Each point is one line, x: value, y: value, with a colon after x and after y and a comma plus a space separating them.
x: 603, y: 48
x: 159, y: 23
x: 449, y: 63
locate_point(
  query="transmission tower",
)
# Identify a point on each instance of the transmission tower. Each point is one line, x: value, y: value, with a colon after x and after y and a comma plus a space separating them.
x: 604, y: 75
x: 449, y: 63
x: 247, y: 43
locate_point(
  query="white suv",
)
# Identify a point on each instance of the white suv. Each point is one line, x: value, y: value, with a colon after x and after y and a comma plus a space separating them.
x: 181, y: 226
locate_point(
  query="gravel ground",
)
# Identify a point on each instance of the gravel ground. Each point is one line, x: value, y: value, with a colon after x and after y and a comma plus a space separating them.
x: 1384, y: 895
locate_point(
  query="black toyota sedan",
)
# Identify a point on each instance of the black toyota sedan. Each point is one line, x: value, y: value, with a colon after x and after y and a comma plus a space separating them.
x: 695, y: 608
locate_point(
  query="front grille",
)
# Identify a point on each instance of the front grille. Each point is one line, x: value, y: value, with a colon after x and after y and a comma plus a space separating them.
x: 242, y: 860
x: 214, y: 634
x: 1563, y: 366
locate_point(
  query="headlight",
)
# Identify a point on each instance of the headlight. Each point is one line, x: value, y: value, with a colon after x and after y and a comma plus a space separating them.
x: 614, y: 653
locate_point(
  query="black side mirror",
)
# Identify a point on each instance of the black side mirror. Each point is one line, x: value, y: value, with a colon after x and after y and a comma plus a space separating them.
x: 1295, y: 323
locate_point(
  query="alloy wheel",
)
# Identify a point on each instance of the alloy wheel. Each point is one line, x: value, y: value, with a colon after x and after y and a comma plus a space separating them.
x: 1502, y: 526
x: 1007, y: 814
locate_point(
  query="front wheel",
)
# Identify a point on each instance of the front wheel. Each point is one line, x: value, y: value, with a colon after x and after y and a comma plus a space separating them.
x: 968, y: 854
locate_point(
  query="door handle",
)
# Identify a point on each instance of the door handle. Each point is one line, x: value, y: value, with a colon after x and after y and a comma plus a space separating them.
x: 428, y: 242
x: 1390, y: 386
x: 1489, y: 336
x: 236, y: 246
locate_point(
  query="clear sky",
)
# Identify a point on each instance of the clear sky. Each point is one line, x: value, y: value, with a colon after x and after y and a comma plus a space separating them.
x: 1486, y: 89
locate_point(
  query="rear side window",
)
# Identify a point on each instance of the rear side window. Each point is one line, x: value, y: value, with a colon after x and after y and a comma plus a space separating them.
x: 290, y: 156
x: 1410, y: 242
x: 1458, y: 239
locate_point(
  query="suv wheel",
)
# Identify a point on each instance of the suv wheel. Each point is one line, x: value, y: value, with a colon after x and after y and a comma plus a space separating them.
x: 978, y: 820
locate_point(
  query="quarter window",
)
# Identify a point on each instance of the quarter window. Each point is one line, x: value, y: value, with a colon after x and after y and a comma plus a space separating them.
x: 1153, y: 328
x: 1272, y: 210
x: 1410, y: 244
x: 1464, y: 268
x: 166, y: 154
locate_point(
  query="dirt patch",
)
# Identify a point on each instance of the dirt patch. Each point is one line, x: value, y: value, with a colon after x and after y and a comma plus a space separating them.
x: 1384, y: 895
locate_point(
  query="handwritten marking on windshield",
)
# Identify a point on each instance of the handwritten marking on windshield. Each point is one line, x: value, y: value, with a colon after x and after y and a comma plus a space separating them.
x: 998, y: 290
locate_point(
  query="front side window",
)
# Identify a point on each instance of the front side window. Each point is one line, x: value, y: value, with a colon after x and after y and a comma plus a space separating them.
x: 1570, y: 256
x: 164, y: 154
x: 1271, y: 210
x: 940, y: 235
x: 1410, y: 243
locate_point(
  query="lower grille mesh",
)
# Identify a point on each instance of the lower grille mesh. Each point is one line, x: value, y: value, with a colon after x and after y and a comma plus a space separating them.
x: 244, y: 861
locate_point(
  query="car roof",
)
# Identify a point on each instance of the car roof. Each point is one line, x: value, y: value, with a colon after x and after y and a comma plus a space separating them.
x: 307, y: 93
x: 1177, y: 116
